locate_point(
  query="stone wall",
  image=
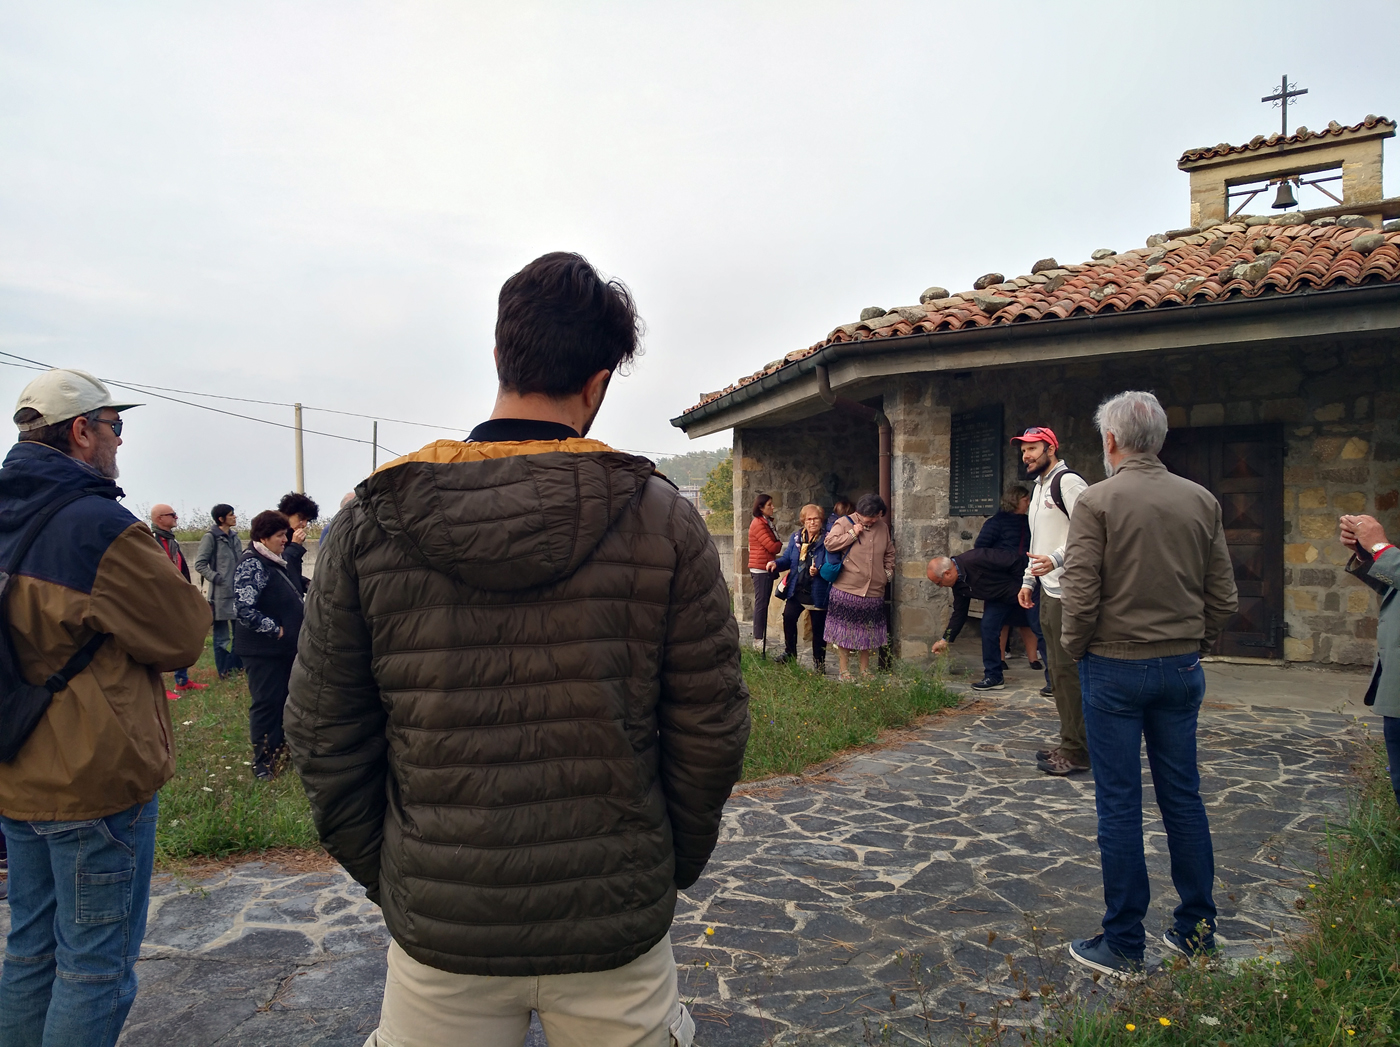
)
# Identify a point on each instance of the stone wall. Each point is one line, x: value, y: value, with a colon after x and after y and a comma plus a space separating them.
x: 1339, y: 406
x: 796, y: 464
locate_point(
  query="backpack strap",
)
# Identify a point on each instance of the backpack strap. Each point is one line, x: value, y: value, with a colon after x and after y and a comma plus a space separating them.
x: 41, y: 518
x: 82, y: 658
x: 1055, y: 493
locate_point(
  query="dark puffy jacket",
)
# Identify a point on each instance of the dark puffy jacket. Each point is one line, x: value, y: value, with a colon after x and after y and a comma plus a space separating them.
x: 517, y: 707
x: 1005, y: 530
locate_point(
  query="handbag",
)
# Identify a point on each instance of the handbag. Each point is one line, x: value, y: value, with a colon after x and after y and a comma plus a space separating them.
x: 831, y: 570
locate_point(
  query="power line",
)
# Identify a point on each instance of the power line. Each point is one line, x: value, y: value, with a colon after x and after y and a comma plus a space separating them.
x: 216, y: 410
x: 157, y: 390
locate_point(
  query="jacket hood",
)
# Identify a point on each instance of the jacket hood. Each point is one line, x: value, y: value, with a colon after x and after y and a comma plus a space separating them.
x: 34, y: 474
x: 504, y: 516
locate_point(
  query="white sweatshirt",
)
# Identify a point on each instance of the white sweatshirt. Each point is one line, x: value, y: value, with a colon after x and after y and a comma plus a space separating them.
x: 1050, y: 527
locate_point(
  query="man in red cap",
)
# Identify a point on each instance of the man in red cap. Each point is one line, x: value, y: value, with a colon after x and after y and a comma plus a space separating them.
x: 1057, y: 488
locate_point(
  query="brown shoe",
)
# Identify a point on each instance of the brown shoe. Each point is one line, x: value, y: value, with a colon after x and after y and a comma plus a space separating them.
x: 1059, y: 764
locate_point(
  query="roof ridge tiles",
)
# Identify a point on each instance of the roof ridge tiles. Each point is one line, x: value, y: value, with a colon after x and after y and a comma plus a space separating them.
x: 1301, y: 258
x: 1302, y: 134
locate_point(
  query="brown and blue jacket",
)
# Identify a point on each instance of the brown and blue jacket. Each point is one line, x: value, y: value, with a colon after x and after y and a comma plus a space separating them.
x: 105, y: 743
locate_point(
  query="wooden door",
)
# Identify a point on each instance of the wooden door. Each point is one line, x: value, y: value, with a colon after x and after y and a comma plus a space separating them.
x: 1242, y: 465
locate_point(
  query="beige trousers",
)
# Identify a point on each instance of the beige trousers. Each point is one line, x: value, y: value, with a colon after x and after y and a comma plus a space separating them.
x: 636, y: 1005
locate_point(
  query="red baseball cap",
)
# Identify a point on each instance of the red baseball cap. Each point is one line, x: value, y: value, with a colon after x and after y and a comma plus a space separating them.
x: 1038, y: 434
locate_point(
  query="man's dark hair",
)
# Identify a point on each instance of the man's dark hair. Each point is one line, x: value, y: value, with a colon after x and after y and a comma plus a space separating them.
x: 302, y: 506
x: 871, y: 505
x: 267, y: 523
x: 760, y: 502
x: 559, y: 324
x: 220, y: 511
x: 56, y: 436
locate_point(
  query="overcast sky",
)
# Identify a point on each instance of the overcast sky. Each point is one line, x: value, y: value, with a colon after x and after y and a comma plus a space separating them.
x: 319, y: 202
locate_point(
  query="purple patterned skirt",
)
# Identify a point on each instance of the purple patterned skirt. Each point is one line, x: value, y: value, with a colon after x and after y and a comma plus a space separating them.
x: 856, y: 623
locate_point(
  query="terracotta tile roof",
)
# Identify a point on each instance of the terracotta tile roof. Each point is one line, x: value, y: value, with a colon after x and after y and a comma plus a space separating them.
x: 1233, y: 260
x: 1333, y: 129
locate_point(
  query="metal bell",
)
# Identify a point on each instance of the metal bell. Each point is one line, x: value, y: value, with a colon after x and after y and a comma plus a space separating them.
x: 1284, y: 199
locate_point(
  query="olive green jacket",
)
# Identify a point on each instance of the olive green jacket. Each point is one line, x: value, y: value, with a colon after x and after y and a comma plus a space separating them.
x: 1382, y: 575
x: 517, y: 707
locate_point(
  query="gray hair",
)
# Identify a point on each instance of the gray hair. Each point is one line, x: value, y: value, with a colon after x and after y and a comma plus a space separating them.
x: 1136, y: 421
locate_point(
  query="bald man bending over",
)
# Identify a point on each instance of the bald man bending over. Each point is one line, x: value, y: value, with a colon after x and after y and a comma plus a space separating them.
x: 163, y: 521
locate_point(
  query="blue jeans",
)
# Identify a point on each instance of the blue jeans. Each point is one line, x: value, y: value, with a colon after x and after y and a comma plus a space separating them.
x: 225, y: 661
x: 1125, y: 702
x: 1390, y: 726
x: 994, y: 615
x: 78, y: 894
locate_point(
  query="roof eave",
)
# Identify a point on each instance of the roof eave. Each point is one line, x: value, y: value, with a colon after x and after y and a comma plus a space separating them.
x: 942, y: 346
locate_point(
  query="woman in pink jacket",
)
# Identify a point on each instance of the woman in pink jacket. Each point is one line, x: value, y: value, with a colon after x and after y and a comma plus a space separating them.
x: 855, y: 612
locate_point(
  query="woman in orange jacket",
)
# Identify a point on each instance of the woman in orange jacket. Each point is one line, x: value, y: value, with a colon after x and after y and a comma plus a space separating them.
x: 764, y: 547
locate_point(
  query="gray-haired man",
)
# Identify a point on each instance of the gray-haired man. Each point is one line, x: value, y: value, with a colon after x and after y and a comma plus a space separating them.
x: 1147, y: 588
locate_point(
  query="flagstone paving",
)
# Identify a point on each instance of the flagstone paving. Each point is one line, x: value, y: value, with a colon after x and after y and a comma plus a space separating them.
x: 945, y: 845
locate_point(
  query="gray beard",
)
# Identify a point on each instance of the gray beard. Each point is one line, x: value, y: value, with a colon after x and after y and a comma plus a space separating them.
x: 1107, y: 465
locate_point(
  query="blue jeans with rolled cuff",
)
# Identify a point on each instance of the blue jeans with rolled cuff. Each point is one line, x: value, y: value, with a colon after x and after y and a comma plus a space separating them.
x: 78, y: 896
x: 1125, y: 702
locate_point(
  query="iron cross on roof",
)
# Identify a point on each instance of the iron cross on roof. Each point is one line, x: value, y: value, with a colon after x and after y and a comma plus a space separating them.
x: 1285, y: 92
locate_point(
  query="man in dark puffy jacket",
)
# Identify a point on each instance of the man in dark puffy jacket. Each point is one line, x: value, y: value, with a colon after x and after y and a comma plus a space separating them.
x: 517, y: 706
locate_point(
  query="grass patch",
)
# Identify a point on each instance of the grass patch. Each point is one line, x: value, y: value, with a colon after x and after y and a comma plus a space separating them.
x: 214, y: 806
x: 1340, y: 982
x: 801, y: 718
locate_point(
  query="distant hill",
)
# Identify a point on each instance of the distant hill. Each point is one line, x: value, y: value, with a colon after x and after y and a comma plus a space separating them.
x: 691, y: 467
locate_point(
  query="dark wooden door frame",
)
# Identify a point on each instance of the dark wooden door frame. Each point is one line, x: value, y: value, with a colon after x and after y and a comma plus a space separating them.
x: 1242, y: 465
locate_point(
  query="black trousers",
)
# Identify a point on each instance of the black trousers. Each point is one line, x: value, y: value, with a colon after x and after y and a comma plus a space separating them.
x: 267, y: 682
x: 792, y: 611
x: 762, y: 593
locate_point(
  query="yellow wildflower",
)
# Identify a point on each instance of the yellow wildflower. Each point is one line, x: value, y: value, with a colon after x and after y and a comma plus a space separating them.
x: 1165, y: 1021
x: 1131, y: 1027
x: 709, y: 930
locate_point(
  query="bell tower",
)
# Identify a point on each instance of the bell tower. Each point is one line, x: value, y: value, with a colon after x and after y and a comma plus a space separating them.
x: 1226, y: 178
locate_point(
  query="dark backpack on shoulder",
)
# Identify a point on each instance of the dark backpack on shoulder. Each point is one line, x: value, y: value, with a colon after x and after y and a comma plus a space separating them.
x: 23, y: 704
x: 1056, y: 495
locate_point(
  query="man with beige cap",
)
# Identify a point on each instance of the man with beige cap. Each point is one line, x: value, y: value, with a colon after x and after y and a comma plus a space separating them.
x: 95, y: 610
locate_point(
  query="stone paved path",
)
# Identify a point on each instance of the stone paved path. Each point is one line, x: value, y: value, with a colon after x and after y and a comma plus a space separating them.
x: 947, y: 843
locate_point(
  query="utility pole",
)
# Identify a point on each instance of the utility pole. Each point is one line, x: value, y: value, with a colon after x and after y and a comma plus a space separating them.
x: 374, y: 459
x: 301, y: 475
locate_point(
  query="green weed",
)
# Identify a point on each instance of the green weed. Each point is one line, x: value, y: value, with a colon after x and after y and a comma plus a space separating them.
x: 214, y: 806
x: 801, y: 718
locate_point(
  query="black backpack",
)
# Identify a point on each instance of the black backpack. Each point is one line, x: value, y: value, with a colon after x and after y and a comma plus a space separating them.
x: 23, y: 704
x: 1055, y: 493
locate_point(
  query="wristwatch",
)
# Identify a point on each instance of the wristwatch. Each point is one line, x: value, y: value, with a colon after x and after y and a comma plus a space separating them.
x: 1375, y: 549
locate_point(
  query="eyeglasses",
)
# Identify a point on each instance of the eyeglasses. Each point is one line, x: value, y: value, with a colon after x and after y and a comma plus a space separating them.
x: 173, y: 516
x: 115, y: 423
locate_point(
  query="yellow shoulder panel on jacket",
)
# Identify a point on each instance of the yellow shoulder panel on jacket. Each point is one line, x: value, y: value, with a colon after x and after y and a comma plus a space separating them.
x: 448, y: 451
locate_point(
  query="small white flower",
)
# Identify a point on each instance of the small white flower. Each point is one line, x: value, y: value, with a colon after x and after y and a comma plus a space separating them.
x: 186, y: 723
x: 247, y: 763
x: 1206, y: 1019
x: 207, y: 789
x: 175, y: 823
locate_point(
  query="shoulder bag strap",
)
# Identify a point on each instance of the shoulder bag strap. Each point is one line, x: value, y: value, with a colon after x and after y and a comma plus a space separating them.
x: 84, y: 655
x: 41, y: 518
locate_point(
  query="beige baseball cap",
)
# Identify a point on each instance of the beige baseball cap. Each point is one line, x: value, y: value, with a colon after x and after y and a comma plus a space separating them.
x: 64, y: 393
